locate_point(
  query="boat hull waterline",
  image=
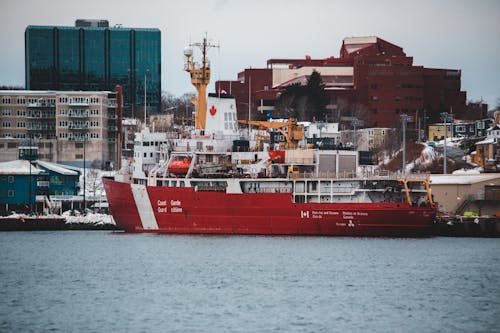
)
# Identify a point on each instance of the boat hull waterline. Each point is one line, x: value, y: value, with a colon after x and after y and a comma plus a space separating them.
x: 182, y: 210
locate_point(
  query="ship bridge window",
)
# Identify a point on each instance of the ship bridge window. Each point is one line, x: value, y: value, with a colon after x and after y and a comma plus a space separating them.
x: 145, y: 143
x: 300, y: 198
x: 313, y: 186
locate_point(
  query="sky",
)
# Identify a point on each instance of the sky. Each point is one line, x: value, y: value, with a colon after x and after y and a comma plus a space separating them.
x: 454, y: 34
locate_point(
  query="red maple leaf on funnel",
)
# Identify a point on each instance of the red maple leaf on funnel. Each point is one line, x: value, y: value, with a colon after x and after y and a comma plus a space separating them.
x: 213, y: 110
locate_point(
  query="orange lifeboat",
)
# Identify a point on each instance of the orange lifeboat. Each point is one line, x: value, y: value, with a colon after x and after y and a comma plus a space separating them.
x: 179, y: 167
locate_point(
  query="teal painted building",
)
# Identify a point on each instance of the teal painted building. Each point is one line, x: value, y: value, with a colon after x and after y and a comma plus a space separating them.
x: 26, y: 187
x: 18, y: 185
x: 96, y: 58
x: 57, y: 180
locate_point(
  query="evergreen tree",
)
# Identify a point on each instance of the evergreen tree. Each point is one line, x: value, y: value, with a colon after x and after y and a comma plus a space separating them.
x: 304, y: 102
x: 316, y: 96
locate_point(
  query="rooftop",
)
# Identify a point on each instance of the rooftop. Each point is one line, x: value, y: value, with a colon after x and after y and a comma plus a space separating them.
x: 463, y: 179
x: 18, y: 167
x: 57, y: 168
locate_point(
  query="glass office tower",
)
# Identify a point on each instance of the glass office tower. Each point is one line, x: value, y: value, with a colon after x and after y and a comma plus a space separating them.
x: 96, y: 59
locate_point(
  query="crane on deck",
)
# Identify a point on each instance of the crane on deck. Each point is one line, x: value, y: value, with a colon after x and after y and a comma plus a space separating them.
x: 292, y: 132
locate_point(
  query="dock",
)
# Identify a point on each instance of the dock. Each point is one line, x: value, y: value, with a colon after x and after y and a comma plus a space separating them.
x: 467, y: 226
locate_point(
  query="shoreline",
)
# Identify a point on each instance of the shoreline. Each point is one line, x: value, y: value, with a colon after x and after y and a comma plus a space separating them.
x: 449, y: 226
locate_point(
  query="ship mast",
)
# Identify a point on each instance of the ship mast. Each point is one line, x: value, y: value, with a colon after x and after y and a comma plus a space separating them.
x: 200, y: 78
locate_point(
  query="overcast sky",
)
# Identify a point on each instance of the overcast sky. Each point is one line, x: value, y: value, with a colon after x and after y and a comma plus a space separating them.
x: 455, y: 34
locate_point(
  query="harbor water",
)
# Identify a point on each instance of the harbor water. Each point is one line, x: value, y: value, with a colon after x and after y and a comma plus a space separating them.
x: 104, y: 281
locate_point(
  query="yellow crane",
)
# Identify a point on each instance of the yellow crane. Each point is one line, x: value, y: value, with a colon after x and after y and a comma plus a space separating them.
x: 200, y: 78
x: 292, y: 131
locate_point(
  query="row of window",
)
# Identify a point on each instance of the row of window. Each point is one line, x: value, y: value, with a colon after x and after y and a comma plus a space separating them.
x: 78, y: 111
x: 78, y: 124
x: 79, y: 100
x: 31, y: 100
x: 399, y: 98
x: 145, y: 155
x: 71, y: 136
x: 70, y: 112
x: 399, y: 86
x: 9, y: 179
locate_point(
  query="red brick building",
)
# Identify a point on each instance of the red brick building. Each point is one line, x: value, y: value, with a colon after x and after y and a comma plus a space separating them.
x: 372, y: 79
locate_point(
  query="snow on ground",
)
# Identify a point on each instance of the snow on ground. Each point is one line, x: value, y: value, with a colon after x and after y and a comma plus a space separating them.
x: 450, y: 142
x: 427, y: 156
x: 475, y: 171
x: 76, y: 218
x: 90, y: 218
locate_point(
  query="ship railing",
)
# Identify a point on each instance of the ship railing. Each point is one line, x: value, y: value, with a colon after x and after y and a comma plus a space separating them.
x: 379, y: 174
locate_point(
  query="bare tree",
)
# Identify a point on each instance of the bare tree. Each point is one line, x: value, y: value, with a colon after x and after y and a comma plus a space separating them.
x: 93, y: 181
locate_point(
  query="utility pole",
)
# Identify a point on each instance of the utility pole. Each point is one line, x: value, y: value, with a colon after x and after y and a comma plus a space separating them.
x: 84, y: 175
x: 446, y: 117
x: 355, y: 123
x: 249, y: 103
x: 404, y: 119
x: 30, y: 157
x: 145, y: 94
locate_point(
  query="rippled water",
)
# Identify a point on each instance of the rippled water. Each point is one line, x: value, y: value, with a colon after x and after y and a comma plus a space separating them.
x: 101, y: 281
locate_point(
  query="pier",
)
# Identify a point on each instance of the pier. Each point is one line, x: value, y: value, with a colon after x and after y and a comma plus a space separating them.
x: 467, y: 226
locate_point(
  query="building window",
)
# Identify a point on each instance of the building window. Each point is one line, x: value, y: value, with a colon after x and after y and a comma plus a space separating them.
x: 11, y: 179
x: 6, y: 113
x: 375, y: 111
x: 460, y: 129
x: 374, y: 85
x: 374, y: 98
x: 10, y: 193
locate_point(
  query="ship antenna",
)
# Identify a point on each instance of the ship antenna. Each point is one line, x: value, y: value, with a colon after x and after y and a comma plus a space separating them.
x: 200, y: 78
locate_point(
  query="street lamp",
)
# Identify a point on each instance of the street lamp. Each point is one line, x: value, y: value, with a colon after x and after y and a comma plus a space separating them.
x: 446, y: 117
x: 404, y: 119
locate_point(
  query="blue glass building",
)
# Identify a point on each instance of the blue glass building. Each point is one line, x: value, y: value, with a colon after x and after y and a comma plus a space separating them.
x: 96, y: 58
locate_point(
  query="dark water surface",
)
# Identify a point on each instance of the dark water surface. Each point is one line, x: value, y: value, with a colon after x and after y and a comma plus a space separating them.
x: 101, y: 281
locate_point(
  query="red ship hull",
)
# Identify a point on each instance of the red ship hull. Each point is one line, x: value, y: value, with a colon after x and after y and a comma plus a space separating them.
x: 183, y: 210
